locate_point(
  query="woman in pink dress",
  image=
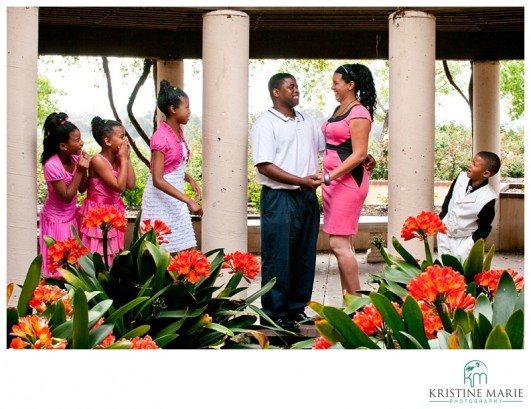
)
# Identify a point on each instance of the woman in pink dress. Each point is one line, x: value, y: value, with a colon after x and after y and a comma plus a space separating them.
x: 346, y: 178
x: 65, y: 168
x: 110, y: 173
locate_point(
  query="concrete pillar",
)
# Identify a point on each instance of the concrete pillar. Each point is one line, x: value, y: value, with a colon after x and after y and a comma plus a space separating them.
x: 172, y: 71
x: 225, y: 130
x: 486, y: 117
x: 411, y: 121
x: 21, y: 153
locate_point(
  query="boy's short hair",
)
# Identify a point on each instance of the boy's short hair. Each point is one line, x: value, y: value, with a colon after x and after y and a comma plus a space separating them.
x: 492, y: 161
x: 276, y: 81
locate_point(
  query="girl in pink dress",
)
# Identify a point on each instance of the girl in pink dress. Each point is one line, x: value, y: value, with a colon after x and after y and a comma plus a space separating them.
x: 164, y: 196
x: 110, y: 173
x: 65, y: 168
x: 346, y: 178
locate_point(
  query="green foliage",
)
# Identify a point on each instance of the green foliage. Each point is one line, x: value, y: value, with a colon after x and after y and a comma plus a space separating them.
x: 453, y: 150
x: 133, y: 197
x: 47, y: 99
x: 512, y: 153
x: 512, y: 86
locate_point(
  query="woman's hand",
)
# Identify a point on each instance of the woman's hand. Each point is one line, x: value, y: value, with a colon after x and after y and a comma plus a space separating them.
x: 370, y: 162
x: 195, y: 208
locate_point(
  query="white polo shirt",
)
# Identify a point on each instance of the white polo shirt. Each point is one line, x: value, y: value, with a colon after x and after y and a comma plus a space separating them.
x: 292, y: 144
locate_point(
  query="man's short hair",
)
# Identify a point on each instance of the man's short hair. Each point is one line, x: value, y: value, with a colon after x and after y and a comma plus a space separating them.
x: 492, y: 161
x: 275, y: 82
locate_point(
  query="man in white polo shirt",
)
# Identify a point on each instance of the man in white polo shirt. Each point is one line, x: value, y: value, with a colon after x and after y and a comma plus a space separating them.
x: 285, y: 147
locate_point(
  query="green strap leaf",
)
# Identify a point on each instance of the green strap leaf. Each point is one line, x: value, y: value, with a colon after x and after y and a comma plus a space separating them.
x: 253, y: 297
x: 96, y: 336
x: 488, y: 259
x: 498, y: 339
x: 219, y: 328
x: 353, y: 336
x: 391, y: 317
x: 483, y: 306
x: 165, y: 339
x: 450, y: 261
x: 137, y: 332
x: 31, y: 282
x: 124, y: 309
x: 408, y: 258
x: 505, y: 300
x: 80, y: 320
x: 515, y: 329
x: 414, y: 322
x: 474, y: 262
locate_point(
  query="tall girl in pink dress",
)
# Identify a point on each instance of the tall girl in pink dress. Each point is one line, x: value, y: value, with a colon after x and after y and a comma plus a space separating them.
x: 164, y: 196
x: 65, y: 168
x: 110, y: 173
x: 346, y: 178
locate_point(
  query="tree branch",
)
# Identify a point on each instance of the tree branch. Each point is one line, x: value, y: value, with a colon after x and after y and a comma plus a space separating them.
x: 451, y: 80
x: 105, y: 63
x: 145, y: 73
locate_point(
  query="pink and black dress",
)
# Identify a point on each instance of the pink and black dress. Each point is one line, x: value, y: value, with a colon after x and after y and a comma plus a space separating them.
x: 101, y: 195
x: 343, y: 198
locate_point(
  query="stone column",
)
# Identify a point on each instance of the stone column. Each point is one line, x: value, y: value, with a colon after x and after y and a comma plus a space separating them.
x: 486, y: 117
x: 21, y: 153
x: 172, y: 71
x: 411, y: 121
x: 225, y: 130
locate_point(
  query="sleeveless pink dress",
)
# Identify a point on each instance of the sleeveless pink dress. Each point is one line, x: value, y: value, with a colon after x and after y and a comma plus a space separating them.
x: 100, y: 195
x: 56, y: 216
x: 343, y: 199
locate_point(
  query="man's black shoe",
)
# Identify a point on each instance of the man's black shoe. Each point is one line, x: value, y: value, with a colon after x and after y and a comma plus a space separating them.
x: 301, y: 318
x: 283, y: 322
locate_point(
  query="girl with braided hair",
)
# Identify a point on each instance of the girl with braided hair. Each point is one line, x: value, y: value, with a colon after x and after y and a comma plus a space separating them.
x: 164, y: 196
x: 346, y: 175
x: 110, y: 174
x: 65, y: 166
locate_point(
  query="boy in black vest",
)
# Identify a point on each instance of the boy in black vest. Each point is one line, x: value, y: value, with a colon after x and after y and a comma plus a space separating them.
x: 469, y: 207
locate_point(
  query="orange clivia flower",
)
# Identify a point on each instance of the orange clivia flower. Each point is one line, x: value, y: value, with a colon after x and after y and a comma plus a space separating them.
x: 190, y: 263
x: 46, y: 295
x: 33, y: 332
x: 67, y: 251
x: 161, y: 229
x: 436, y: 283
x: 370, y: 320
x: 432, y: 321
x: 143, y: 343
x: 242, y: 261
x: 490, y: 279
x: 105, y: 218
x: 321, y: 343
x: 424, y: 225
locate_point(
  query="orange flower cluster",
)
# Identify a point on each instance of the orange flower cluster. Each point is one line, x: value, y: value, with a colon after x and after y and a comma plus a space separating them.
x: 32, y: 332
x: 160, y: 228
x: 144, y: 343
x: 439, y: 286
x: 434, y: 284
x: 424, y: 225
x: 490, y: 279
x: 109, y: 339
x: 190, y: 263
x: 370, y: 320
x: 64, y: 251
x: 321, y: 343
x: 46, y: 295
x: 105, y: 218
x: 242, y: 261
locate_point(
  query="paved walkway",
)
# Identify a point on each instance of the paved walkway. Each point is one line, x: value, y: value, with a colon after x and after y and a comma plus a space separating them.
x: 327, y: 287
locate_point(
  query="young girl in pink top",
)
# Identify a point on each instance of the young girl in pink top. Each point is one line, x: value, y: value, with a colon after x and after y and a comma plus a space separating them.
x: 65, y: 168
x: 110, y: 173
x: 164, y: 196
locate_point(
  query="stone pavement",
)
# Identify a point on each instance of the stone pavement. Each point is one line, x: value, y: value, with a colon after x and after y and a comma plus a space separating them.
x: 327, y: 287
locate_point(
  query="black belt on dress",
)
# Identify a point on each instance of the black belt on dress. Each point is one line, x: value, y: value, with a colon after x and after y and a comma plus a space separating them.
x: 344, y: 150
